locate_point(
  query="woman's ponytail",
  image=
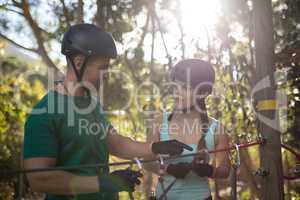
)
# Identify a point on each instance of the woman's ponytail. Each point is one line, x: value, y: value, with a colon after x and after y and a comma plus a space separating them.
x: 204, y: 122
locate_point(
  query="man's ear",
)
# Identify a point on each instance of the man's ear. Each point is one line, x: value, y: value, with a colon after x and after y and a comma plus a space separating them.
x: 78, y: 61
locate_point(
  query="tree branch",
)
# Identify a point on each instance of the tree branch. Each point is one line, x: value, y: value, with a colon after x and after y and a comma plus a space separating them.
x: 80, y: 11
x: 128, y: 64
x: 145, y: 29
x: 17, y: 4
x: 178, y: 18
x: 37, y: 32
x: 66, y: 13
x: 18, y: 45
x: 11, y: 10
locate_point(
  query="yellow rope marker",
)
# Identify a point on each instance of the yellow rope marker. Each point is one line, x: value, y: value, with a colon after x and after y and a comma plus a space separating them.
x: 268, y: 104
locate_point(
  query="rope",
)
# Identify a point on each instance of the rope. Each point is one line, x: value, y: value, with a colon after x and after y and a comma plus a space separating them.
x: 134, y: 162
x: 74, y: 167
x: 290, y: 178
x: 297, y: 155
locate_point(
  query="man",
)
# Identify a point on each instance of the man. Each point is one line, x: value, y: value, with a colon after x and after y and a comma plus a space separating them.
x: 67, y: 128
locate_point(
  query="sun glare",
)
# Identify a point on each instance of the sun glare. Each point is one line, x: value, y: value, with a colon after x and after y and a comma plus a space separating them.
x: 198, y: 18
x: 199, y: 15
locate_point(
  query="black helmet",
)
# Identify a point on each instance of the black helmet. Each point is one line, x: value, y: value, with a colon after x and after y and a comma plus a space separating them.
x: 195, y: 71
x: 89, y: 40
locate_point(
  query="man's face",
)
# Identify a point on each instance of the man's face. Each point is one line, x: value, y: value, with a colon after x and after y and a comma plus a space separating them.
x: 95, y: 71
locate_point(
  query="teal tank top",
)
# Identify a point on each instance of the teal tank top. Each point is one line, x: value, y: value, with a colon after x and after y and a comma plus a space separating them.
x: 192, y: 186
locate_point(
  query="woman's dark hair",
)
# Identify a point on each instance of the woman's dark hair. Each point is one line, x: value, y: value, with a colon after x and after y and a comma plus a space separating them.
x: 199, y: 75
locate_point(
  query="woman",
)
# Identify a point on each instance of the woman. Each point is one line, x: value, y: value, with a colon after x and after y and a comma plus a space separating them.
x: 190, y: 124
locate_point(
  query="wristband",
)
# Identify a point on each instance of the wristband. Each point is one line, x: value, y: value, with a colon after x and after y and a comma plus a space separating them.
x: 105, y: 184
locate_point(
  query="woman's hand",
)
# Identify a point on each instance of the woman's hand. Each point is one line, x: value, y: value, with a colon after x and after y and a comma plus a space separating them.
x: 179, y: 170
x: 171, y: 147
x: 200, y: 164
x: 202, y: 157
x: 203, y: 169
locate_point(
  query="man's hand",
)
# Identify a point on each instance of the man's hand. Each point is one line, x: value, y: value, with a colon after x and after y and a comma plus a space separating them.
x: 120, y: 180
x: 171, y: 147
x: 179, y: 170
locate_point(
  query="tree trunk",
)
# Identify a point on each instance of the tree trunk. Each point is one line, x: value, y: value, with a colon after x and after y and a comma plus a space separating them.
x: 101, y: 15
x: 246, y: 166
x: 270, y: 153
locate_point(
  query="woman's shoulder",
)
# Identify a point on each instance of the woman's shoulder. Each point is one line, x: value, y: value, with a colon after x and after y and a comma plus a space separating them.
x: 213, y: 121
x: 160, y: 115
x: 217, y: 125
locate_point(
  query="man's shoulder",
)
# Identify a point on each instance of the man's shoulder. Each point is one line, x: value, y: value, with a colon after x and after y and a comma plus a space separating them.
x: 43, y: 101
x: 42, y: 107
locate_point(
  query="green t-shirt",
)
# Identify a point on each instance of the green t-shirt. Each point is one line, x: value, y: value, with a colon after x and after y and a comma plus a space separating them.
x: 72, y: 130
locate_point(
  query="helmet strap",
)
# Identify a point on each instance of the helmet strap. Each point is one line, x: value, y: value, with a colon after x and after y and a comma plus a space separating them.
x: 79, y: 73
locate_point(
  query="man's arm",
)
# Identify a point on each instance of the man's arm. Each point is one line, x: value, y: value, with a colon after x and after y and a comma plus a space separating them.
x: 126, y: 148
x: 58, y: 182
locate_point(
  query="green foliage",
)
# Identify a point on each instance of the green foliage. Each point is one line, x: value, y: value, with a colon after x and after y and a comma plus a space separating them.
x: 232, y: 58
x: 17, y: 96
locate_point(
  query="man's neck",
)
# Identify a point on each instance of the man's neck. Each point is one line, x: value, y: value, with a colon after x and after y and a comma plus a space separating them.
x: 70, y: 87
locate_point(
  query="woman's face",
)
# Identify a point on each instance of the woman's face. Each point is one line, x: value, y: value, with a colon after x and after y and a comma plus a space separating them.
x: 183, y: 95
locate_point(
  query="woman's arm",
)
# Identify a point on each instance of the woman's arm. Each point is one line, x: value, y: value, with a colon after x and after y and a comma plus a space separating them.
x: 222, y: 164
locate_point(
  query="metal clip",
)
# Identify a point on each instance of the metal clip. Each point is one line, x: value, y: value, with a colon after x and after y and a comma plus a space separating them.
x: 161, y: 160
x: 238, y: 159
x: 261, y: 139
x: 235, y: 158
x: 161, y: 165
x: 140, y: 168
x: 161, y: 174
x: 262, y: 172
x: 139, y: 164
x: 297, y: 169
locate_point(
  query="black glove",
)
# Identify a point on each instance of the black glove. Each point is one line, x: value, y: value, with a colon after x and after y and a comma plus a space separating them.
x: 120, y: 180
x: 179, y: 170
x: 202, y: 170
x: 171, y: 147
